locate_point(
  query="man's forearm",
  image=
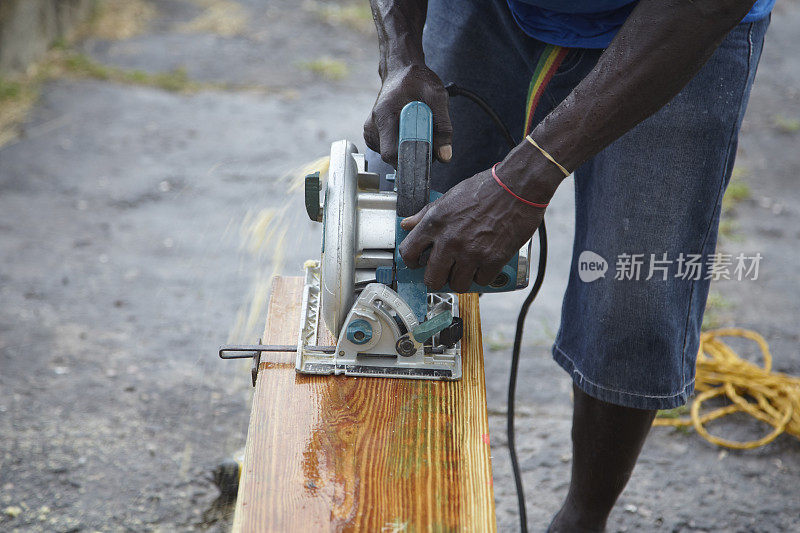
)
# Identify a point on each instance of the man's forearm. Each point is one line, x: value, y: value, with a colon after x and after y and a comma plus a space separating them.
x: 404, y: 78
x: 661, y: 46
x: 399, y: 26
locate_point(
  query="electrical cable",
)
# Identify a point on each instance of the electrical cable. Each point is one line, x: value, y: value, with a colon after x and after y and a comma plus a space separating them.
x: 455, y: 90
x: 512, y: 378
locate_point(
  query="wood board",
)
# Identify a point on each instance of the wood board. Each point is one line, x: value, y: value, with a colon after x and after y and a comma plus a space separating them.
x: 335, y: 453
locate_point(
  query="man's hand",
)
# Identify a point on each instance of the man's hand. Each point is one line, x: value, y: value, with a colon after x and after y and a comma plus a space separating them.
x: 473, y: 230
x: 405, y: 78
x: 401, y: 86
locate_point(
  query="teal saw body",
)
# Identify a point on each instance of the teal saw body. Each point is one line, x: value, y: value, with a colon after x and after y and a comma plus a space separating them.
x: 412, y: 183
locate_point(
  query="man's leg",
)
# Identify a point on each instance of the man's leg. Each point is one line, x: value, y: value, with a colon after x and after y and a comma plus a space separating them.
x: 630, y: 343
x: 606, y: 439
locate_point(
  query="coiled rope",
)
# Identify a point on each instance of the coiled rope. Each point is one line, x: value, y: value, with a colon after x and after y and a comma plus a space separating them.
x: 771, y: 397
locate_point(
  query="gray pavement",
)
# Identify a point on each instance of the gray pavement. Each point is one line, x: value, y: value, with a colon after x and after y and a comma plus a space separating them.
x: 122, y: 270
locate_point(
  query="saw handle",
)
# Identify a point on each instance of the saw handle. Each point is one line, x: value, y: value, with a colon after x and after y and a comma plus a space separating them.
x: 412, y: 183
x: 414, y: 154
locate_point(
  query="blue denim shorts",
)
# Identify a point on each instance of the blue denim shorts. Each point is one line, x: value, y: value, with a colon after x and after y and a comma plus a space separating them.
x: 657, y: 190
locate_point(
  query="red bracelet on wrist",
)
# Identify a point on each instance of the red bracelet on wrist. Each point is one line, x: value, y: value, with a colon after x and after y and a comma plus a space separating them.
x: 509, y: 191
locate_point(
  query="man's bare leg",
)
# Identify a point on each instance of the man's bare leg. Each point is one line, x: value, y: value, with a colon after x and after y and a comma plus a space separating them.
x: 606, y: 441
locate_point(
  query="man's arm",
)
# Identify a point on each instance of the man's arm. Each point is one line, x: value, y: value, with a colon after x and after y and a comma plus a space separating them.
x: 405, y: 78
x: 476, y: 227
x: 661, y: 46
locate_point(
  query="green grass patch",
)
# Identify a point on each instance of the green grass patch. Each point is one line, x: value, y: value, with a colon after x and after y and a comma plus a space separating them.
x: 785, y: 124
x: 738, y: 191
x: 739, y: 173
x: 9, y: 90
x: 176, y: 80
x: 716, y: 307
x: 327, y: 67
x: 729, y: 229
x: 496, y: 341
x: 356, y: 16
x: 677, y: 412
x: 118, y: 19
x: 17, y: 96
x: 497, y: 345
x: 83, y: 66
x: 221, y: 17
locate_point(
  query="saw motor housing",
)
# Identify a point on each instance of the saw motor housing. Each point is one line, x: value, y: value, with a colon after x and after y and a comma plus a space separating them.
x: 386, y: 321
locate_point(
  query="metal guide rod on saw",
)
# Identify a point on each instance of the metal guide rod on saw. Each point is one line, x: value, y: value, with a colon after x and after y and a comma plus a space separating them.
x: 246, y: 351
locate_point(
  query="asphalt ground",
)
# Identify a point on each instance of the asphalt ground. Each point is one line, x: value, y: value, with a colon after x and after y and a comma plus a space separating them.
x: 123, y: 267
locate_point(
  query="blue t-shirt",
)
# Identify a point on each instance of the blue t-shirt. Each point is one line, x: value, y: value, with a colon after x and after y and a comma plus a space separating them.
x: 587, y: 23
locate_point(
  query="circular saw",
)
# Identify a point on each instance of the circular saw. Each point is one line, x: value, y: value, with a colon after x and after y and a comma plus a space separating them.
x: 386, y: 322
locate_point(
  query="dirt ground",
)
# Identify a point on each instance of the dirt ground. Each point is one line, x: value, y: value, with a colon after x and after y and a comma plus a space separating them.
x: 123, y: 269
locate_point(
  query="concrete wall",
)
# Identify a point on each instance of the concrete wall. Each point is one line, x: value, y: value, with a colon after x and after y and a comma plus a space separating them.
x: 29, y: 27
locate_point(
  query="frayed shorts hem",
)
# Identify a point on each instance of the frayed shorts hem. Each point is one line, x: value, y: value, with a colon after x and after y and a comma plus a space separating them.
x: 637, y: 400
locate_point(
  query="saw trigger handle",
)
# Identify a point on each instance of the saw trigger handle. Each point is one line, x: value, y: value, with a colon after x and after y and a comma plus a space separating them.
x: 414, y: 153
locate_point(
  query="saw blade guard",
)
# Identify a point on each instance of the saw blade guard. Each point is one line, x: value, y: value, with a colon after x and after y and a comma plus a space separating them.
x: 358, y: 232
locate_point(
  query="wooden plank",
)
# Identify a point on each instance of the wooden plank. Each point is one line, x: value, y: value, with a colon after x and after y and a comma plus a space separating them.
x: 371, y: 454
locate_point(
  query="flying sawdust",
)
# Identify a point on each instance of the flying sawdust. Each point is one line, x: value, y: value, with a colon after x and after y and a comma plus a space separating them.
x: 263, y: 237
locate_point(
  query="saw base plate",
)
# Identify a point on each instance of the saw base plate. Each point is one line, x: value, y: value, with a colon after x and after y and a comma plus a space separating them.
x: 431, y: 361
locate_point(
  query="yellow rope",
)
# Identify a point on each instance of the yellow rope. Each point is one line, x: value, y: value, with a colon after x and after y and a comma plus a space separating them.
x: 770, y: 397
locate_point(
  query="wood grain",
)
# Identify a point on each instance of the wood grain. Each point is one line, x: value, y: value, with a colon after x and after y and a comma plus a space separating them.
x: 333, y: 453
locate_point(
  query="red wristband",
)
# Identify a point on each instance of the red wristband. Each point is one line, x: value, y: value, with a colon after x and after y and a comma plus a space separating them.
x: 509, y: 191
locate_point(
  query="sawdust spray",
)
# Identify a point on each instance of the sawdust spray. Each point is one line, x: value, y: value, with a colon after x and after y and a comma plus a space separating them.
x: 262, y: 235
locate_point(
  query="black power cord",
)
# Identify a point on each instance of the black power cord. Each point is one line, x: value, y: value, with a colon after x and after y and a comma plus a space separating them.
x: 512, y: 378
x: 455, y: 90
